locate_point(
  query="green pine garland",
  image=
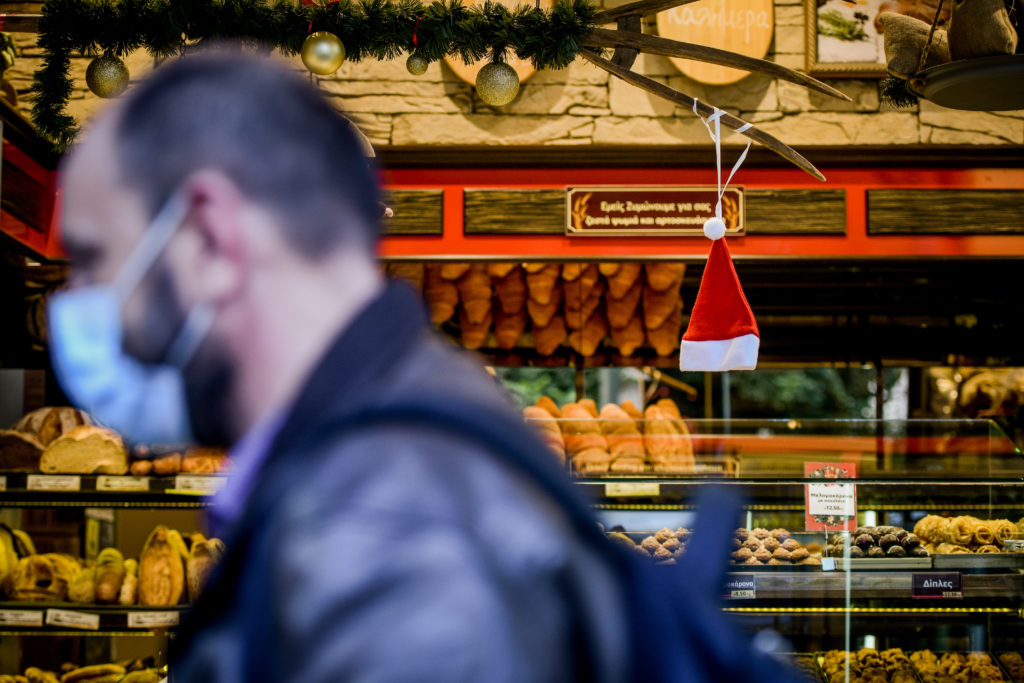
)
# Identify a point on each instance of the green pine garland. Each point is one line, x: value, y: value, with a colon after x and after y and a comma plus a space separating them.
x: 374, y: 29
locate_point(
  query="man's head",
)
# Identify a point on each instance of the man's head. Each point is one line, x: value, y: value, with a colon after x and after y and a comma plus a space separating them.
x: 280, y: 201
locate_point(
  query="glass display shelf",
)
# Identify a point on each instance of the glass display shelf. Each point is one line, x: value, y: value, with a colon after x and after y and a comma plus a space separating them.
x: 18, y: 489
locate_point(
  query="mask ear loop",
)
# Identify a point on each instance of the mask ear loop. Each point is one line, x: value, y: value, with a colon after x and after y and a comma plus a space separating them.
x: 716, y: 137
x: 197, y: 326
x: 153, y: 241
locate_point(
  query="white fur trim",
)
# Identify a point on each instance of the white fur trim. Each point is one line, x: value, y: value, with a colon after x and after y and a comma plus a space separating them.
x: 718, y: 356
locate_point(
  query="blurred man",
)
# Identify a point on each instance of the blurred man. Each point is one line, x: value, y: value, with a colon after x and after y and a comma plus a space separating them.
x: 221, y: 223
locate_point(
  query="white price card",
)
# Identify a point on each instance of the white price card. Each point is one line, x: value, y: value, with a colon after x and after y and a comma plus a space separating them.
x: 639, y: 489
x: 53, y: 482
x: 832, y: 500
x: 107, y: 482
x: 3, y: 482
x: 69, y: 619
x: 201, y: 484
x: 153, y: 619
x: 21, y: 617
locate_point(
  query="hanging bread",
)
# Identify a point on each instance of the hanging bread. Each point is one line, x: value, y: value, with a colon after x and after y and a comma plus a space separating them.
x: 609, y: 269
x: 511, y: 290
x: 572, y: 271
x: 587, y: 339
x: 540, y: 284
x: 162, y: 568
x: 577, y: 312
x: 410, y: 272
x: 625, y: 277
x: 665, y: 339
x: 475, y: 293
x: 546, y: 403
x: 202, y: 558
x: 620, y: 311
x: 662, y: 276
x: 629, y: 338
x: 500, y: 270
x: 442, y: 295
x: 548, y: 338
x: 47, y: 424
x: 453, y: 271
x: 110, y: 574
x: 549, y: 430
x: 508, y: 328
x: 659, y: 305
x: 579, y: 289
x: 535, y: 266
x: 474, y: 334
x: 541, y: 314
x: 19, y: 451
x: 86, y: 450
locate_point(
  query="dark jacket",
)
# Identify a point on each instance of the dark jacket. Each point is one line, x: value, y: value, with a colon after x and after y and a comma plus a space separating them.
x: 393, y: 552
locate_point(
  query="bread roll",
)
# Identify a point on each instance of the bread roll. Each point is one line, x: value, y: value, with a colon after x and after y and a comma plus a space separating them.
x: 501, y: 270
x: 625, y: 443
x: 589, y: 405
x: 474, y: 334
x: 511, y: 291
x: 141, y: 468
x: 665, y: 340
x: 100, y: 673
x: 541, y: 283
x: 624, y: 278
x: 621, y: 311
x: 629, y: 338
x: 581, y: 430
x: 548, y: 428
x: 542, y: 314
x: 609, y: 269
x: 453, y: 271
x: 475, y: 293
x: 410, y: 272
x: 129, y: 593
x: 203, y: 461
x: 662, y: 276
x: 47, y: 424
x: 508, y: 328
x: 83, y: 588
x: 630, y: 409
x: 572, y: 271
x: 659, y: 305
x: 86, y: 450
x: 19, y: 451
x: 578, y: 311
x: 547, y: 338
x: 167, y: 465
x: 547, y: 404
x: 587, y: 339
x: 109, y: 575
x: 442, y: 295
x: 162, y: 569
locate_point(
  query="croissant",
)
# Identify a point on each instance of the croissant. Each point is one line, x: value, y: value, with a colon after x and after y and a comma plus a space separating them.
x: 535, y: 267
x: 548, y: 338
x: 580, y: 430
x: 540, y: 284
x: 592, y: 461
x: 669, y: 407
x: 453, y: 271
x: 541, y: 314
x: 412, y: 273
x: 475, y: 293
x: 548, y: 428
x: 498, y: 270
x: 577, y: 312
x: 571, y: 271
x: 630, y: 409
x: 624, y: 439
x: 620, y: 311
x: 667, y: 449
x: 625, y: 277
x: 589, y: 405
x: 511, y: 290
x: 662, y: 276
x: 658, y: 306
x: 629, y: 338
x: 508, y: 328
x: 586, y: 339
x: 474, y: 334
x: 442, y: 295
x: 546, y: 403
x: 665, y: 340
x: 608, y: 269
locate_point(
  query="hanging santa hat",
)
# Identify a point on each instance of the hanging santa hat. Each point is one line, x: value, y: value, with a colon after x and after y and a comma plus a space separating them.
x: 722, y: 334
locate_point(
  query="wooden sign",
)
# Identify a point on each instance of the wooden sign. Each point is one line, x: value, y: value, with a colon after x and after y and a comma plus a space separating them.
x: 468, y: 72
x: 743, y: 26
x: 603, y: 210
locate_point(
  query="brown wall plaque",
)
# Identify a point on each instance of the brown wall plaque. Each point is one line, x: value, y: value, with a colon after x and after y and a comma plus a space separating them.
x: 417, y: 212
x: 492, y: 212
x: 953, y: 212
x: 601, y: 210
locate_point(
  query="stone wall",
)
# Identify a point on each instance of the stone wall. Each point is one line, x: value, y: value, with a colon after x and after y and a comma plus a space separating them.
x: 581, y: 105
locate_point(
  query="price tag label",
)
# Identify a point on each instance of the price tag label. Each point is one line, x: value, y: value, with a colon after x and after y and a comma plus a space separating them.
x: 53, y: 482
x: 21, y: 617
x: 199, y: 484
x: 107, y: 482
x: 935, y: 585
x: 100, y: 514
x: 741, y: 586
x: 153, y: 619
x: 3, y: 482
x: 638, y: 489
x: 69, y: 619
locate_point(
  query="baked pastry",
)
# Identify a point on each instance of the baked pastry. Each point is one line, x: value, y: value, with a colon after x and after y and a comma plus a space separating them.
x: 508, y: 328
x: 83, y: 588
x: 511, y: 291
x: 659, y: 305
x: 625, y: 277
x: 474, y: 334
x: 86, y: 450
x: 162, y: 568
x: 43, y: 577
x: 200, y: 460
x: 549, y: 430
x: 629, y: 338
x: 109, y: 575
x: 625, y: 443
x: 36, y: 675
x: 20, y: 451
x: 587, y: 339
x: 665, y: 340
x: 548, y: 405
x: 668, y: 450
x: 202, y: 558
x: 129, y: 593
x: 441, y: 294
x: 99, y: 673
x: 580, y: 290
x: 141, y: 468
x: 608, y: 269
x: 580, y: 430
x: 47, y: 424
x: 167, y: 465
x: 669, y: 407
x: 453, y: 271
x: 622, y: 310
x: 410, y: 271
x: 589, y: 405
x: 501, y: 270
x: 475, y: 293
x: 572, y: 271
x: 541, y: 314
x: 662, y: 276
x: 578, y: 311
x: 630, y: 409
x: 591, y: 461
x: 547, y: 338
x: 541, y: 283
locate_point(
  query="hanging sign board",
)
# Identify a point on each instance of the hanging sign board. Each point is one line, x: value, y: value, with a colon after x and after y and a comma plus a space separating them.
x: 523, y: 67
x: 604, y: 210
x: 831, y: 506
x: 742, y: 26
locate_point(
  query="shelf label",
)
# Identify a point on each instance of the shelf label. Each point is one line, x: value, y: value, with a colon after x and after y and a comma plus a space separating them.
x: 108, y: 482
x: 741, y: 586
x: 200, y: 484
x: 153, y: 619
x: 831, y: 506
x: 21, y: 617
x: 53, y: 482
x: 935, y: 585
x: 69, y: 619
x: 100, y: 514
x: 638, y: 489
x: 3, y: 482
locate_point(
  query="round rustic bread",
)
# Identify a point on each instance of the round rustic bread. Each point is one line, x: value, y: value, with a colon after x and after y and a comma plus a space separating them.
x: 86, y: 450
x: 51, y: 422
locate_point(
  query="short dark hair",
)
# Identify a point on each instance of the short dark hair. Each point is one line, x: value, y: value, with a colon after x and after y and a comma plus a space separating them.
x: 257, y: 121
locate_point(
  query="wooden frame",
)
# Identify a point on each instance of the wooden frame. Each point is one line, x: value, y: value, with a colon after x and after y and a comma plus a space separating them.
x: 831, y: 69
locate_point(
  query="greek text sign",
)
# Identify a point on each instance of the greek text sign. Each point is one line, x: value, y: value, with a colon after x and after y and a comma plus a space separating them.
x: 603, y: 210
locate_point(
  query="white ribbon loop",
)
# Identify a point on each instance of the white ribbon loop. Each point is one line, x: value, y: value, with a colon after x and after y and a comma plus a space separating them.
x: 716, y: 137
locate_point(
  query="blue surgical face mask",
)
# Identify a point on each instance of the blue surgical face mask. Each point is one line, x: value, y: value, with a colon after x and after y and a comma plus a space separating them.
x: 144, y: 402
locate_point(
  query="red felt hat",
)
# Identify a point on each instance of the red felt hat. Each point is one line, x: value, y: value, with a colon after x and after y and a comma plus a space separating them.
x: 722, y: 334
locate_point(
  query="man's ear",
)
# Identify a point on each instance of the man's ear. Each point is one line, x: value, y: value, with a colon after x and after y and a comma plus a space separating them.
x: 219, y: 256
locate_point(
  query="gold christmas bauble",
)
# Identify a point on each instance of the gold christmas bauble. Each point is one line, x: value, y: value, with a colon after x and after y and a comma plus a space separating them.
x: 497, y: 84
x: 416, y: 64
x: 323, y: 52
x: 107, y: 76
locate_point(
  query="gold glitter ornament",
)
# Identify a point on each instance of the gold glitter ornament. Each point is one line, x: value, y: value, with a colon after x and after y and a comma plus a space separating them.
x: 416, y: 64
x: 497, y: 83
x: 107, y: 76
x: 323, y: 52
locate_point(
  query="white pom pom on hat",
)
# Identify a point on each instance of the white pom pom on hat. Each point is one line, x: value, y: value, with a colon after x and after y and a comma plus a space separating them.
x: 714, y: 228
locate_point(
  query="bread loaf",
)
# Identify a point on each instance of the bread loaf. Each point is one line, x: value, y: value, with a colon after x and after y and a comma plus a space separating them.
x: 47, y: 424
x: 167, y: 465
x: 100, y: 673
x: 43, y: 577
x: 129, y: 593
x: 548, y: 428
x: 199, y: 460
x: 110, y: 575
x: 19, y: 451
x: 86, y: 450
x: 202, y: 558
x: 83, y: 588
x: 162, y: 569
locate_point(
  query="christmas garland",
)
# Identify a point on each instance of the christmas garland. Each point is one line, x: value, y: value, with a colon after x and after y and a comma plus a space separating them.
x: 376, y: 29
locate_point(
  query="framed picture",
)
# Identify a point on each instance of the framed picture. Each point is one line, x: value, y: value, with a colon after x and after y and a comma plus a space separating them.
x: 844, y: 37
